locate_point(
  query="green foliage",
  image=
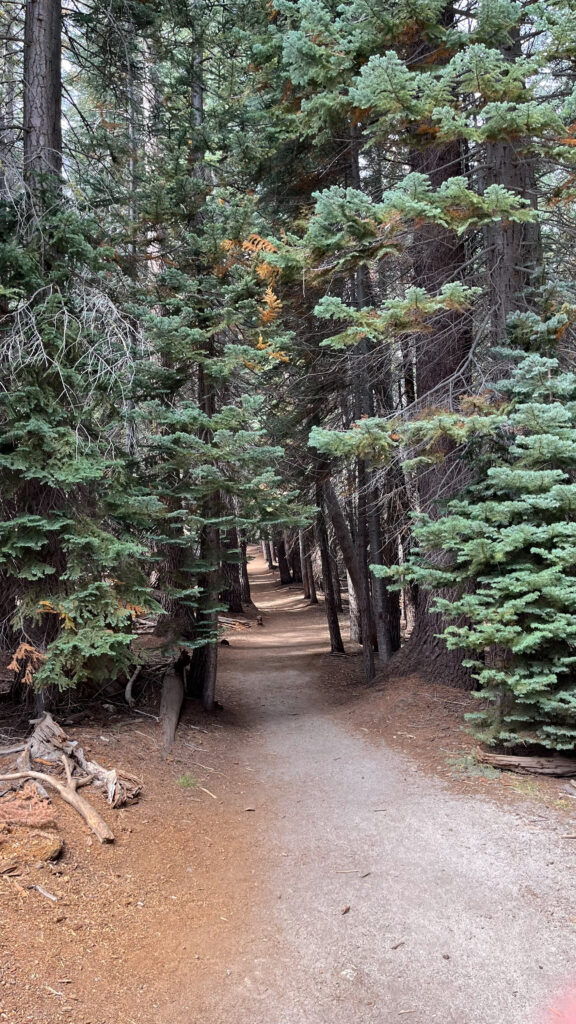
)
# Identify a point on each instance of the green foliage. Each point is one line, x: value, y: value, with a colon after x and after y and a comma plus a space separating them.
x: 510, y: 547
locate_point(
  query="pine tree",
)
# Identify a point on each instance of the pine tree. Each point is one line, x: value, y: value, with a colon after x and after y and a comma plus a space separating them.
x: 511, y: 542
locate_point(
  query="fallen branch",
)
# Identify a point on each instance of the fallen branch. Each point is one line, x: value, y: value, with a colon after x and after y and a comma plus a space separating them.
x: 128, y: 691
x: 68, y: 793
x: 12, y: 750
x: 561, y: 767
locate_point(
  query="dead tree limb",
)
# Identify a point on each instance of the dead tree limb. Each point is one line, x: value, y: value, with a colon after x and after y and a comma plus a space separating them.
x: 128, y: 691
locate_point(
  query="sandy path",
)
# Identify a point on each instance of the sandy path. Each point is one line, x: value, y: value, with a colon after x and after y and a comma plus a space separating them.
x: 459, y: 912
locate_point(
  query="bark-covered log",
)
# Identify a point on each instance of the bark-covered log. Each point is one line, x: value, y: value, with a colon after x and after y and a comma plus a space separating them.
x: 171, y: 706
x: 561, y: 767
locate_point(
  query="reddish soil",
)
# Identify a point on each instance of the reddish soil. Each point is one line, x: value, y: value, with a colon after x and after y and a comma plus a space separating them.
x: 315, y: 854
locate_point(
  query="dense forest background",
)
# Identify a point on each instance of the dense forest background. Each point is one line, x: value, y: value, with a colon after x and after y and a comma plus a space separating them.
x: 301, y: 272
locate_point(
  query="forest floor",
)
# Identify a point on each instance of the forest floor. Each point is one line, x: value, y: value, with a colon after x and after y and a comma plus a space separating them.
x: 315, y: 854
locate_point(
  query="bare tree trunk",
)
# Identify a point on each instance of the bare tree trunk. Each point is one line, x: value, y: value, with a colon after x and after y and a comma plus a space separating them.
x: 42, y: 93
x: 293, y: 554
x: 268, y: 554
x: 353, y: 612
x: 304, y: 564
x: 378, y: 586
x: 353, y: 567
x: 310, y: 569
x: 336, y: 645
x: 245, y: 592
x: 514, y: 251
x: 284, y: 568
x: 336, y: 582
x: 231, y: 570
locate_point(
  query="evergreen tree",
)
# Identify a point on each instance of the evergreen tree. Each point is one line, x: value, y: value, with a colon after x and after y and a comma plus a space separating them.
x: 511, y: 542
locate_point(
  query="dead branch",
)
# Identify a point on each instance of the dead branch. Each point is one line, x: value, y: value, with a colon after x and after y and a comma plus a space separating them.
x: 128, y: 691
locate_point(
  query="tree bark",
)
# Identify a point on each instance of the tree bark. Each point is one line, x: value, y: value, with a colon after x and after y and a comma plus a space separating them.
x: 293, y: 551
x: 284, y: 568
x: 231, y: 570
x: 304, y: 564
x: 268, y: 554
x: 171, y: 706
x: 353, y: 613
x: 379, y: 589
x: 310, y: 569
x: 42, y: 93
x: 336, y: 582
x: 514, y: 251
x: 336, y: 645
x: 245, y: 593
x: 354, y: 569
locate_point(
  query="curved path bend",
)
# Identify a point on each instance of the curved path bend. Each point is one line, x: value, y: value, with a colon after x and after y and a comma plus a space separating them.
x: 378, y: 894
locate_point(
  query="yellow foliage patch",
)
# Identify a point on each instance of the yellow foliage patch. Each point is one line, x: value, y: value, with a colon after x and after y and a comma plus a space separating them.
x: 271, y: 308
x: 25, y: 661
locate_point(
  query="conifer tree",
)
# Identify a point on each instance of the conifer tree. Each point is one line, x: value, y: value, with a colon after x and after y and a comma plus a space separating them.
x: 511, y: 542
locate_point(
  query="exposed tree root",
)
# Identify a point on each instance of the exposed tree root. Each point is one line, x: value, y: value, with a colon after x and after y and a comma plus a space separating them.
x: 52, y: 748
x: 69, y: 793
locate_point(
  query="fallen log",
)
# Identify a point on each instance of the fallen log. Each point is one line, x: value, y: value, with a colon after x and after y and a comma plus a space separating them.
x: 559, y: 767
x: 69, y: 794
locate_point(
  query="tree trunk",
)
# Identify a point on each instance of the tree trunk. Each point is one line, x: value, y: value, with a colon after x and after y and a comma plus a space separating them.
x: 231, y: 571
x: 514, y: 251
x: 171, y: 706
x: 284, y: 568
x: 336, y: 582
x: 439, y: 256
x: 310, y: 569
x: 42, y: 93
x: 268, y: 554
x: 304, y: 564
x: 245, y: 593
x: 379, y: 588
x: 353, y: 613
x: 336, y: 645
x: 293, y: 549
x: 354, y: 569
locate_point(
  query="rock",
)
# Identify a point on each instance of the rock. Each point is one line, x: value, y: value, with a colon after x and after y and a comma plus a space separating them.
x: 22, y: 846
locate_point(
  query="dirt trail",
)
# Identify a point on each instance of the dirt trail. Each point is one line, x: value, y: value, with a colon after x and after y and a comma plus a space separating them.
x: 457, y: 913
x: 320, y: 877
